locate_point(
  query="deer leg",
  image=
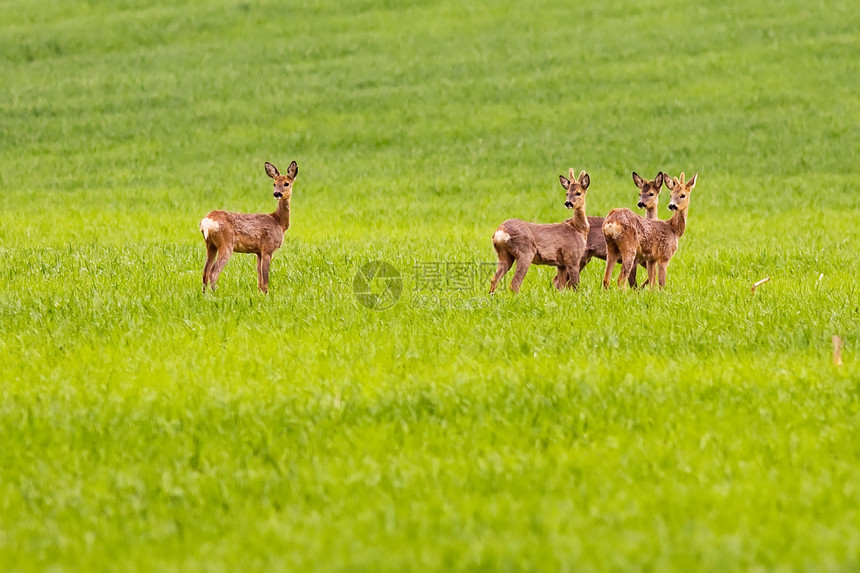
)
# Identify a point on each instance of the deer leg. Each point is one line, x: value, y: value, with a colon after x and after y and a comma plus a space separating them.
x: 523, y: 264
x: 561, y: 278
x: 647, y: 273
x: 572, y: 278
x: 218, y: 266
x: 628, y: 261
x: 259, y: 271
x: 211, y: 251
x: 584, y: 261
x: 264, y: 272
x: 661, y: 273
x: 652, y: 273
x: 612, y: 255
x: 631, y: 278
x: 505, y: 262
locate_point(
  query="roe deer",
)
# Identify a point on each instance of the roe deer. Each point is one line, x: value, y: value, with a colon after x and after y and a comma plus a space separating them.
x: 649, y: 198
x: 258, y: 233
x: 557, y: 244
x: 629, y: 236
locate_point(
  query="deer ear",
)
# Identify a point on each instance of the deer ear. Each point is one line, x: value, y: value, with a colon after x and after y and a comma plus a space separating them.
x: 584, y: 180
x: 658, y: 181
x: 564, y: 182
x: 293, y: 170
x: 271, y: 170
x: 637, y: 180
x: 669, y: 183
x: 692, y: 182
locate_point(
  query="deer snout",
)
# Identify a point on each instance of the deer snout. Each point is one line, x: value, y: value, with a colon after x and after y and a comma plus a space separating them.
x: 641, y: 205
x: 568, y: 204
x: 278, y: 194
x: 673, y: 207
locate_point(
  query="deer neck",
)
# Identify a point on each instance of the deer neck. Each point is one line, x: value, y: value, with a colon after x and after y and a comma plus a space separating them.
x: 282, y: 213
x: 651, y: 212
x: 678, y: 222
x: 579, y: 221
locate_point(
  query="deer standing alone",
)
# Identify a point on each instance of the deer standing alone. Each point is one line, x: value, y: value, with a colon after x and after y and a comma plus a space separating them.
x: 629, y: 236
x: 558, y: 244
x: 259, y: 233
x: 649, y: 198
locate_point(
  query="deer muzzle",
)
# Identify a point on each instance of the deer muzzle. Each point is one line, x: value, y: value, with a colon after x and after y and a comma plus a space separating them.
x: 673, y: 207
x: 568, y: 204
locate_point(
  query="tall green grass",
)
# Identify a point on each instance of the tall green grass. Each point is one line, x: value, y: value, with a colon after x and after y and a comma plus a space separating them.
x: 145, y: 425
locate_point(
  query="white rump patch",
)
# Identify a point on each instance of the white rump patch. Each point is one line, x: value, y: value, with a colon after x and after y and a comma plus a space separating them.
x: 208, y: 225
x: 500, y: 237
x: 612, y: 229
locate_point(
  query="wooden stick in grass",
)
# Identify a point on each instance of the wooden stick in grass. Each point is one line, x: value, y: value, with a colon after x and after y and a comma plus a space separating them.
x: 837, y: 350
x: 759, y: 283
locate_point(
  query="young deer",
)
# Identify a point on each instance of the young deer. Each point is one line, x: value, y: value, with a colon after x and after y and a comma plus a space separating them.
x: 557, y: 244
x: 629, y: 236
x: 258, y: 233
x: 649, y: 198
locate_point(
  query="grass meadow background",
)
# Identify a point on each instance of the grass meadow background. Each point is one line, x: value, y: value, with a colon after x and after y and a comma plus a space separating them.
x: 145, y: 426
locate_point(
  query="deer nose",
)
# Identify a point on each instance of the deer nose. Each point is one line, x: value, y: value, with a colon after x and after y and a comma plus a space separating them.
x: 672, y: 207
x: 278, y: 194
x: 568, y: 204
x: 641, y: 205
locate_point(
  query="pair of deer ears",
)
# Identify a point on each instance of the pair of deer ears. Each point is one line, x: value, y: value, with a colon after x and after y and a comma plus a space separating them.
x: 671, y: 182
x: 273, y: 172
x: 584, y: 180
x: 658, y: 181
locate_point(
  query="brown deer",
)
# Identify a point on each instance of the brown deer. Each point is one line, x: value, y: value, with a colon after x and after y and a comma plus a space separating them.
x: 258, y: 233
x: 629, y: 236
x: 557, y: 244
x: 649, y: 198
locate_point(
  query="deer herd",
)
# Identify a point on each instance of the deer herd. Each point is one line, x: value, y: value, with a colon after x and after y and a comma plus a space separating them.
x: 621, y: 237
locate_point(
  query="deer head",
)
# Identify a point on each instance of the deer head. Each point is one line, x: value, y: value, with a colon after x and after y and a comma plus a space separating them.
x: 283, y: 183
x: 680, y: 191
x: 576, y: 189
x: 649, y: 191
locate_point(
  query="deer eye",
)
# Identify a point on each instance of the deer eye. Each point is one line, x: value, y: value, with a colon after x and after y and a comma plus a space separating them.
x: 578, y: 193
x: 650, y: 194
x: 682, y: 196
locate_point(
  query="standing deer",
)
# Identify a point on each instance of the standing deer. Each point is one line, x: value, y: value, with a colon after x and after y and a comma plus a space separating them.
x: 649, y: 198
x: 258, y: 233
x: 558, y: 244
x: 629, y: 236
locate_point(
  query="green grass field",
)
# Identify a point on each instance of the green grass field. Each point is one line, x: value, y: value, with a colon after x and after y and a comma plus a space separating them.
x: 146, y: 426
